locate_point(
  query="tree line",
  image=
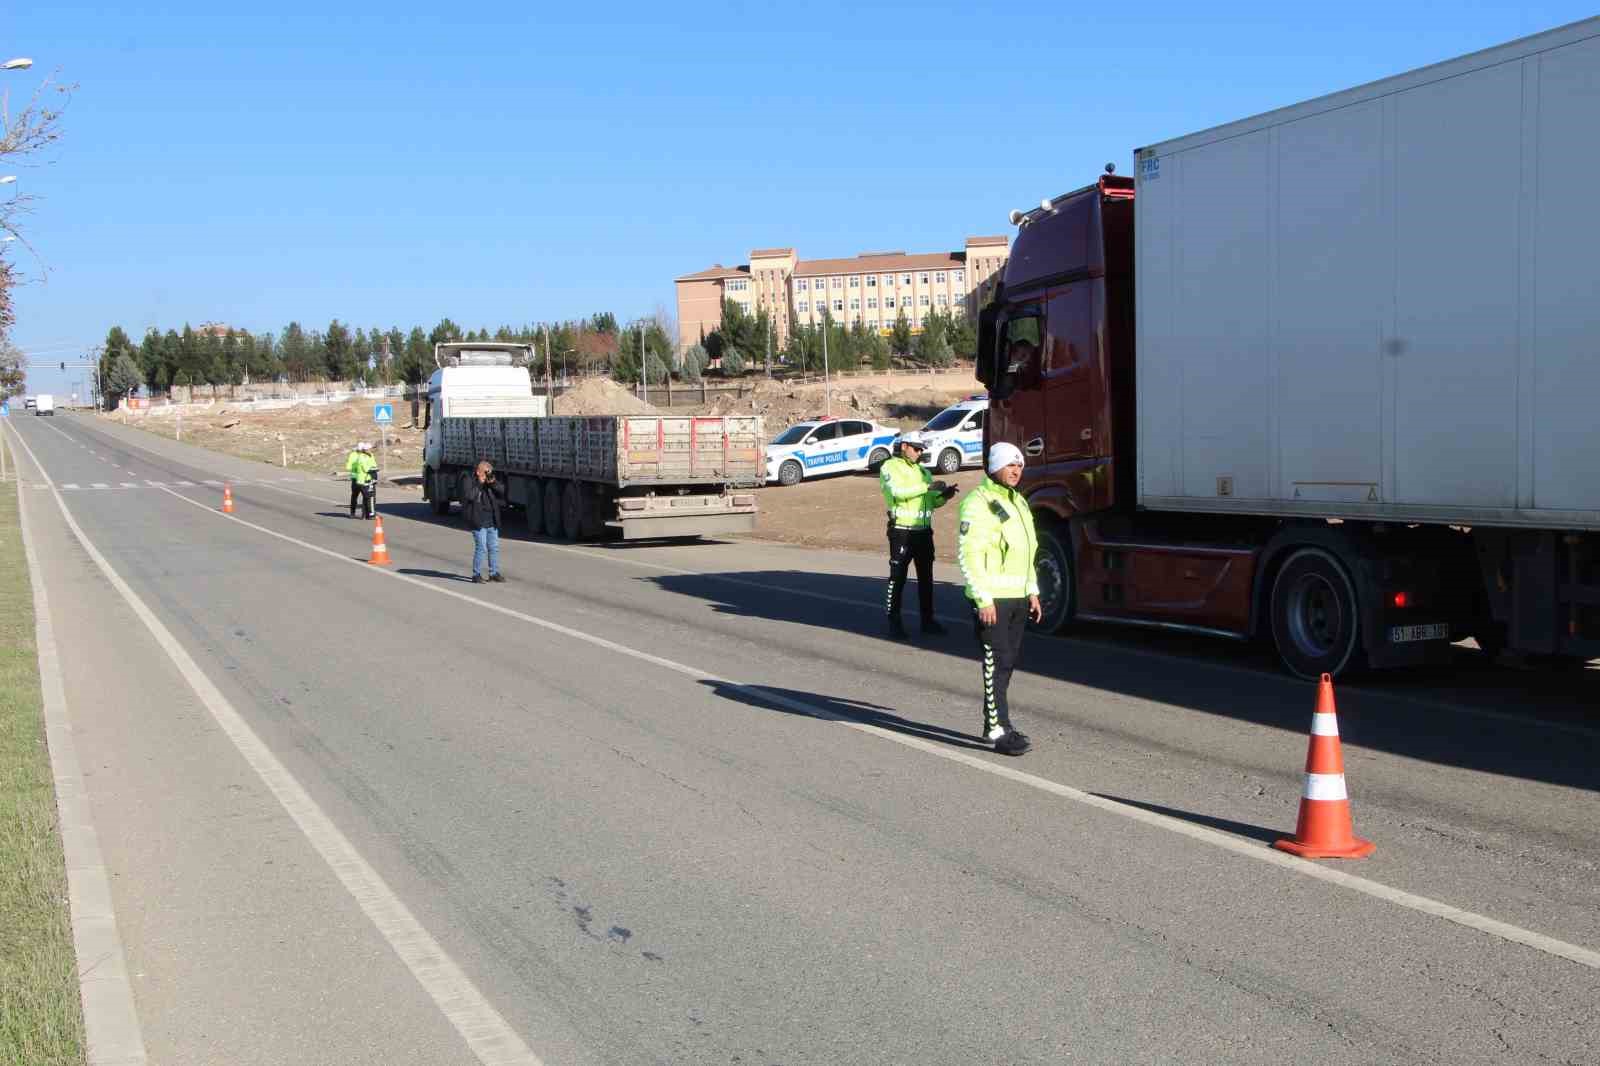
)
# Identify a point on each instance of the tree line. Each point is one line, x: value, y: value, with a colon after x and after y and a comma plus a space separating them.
x: 375, y: 356
x: 161, y: 361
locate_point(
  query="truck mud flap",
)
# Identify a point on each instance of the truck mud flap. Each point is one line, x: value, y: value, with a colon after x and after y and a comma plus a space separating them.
x: 646, y: 527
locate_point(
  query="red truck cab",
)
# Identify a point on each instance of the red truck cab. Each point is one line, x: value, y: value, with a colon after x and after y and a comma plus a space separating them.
x: 1057, y: 350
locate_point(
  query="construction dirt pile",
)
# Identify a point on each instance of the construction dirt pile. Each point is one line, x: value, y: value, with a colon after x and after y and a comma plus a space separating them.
x: 312, y: 438
x: 601, y: 396
x: 781, y: 405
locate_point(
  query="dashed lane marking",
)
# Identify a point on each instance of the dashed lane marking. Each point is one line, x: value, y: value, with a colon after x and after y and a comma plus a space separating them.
x: 1248, y: 849
x: 492, y: 1040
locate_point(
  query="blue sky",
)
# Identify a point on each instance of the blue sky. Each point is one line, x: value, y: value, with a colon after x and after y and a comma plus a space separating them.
x: 392, y: 164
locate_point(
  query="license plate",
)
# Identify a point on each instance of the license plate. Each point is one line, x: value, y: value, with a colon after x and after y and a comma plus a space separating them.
x: 1407, y: 634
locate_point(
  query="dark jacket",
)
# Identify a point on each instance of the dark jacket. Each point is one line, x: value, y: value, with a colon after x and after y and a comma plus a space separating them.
x: 481, y: 503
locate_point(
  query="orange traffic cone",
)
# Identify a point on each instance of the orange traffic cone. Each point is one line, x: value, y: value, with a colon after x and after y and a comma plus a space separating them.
x: 380, y: 550
x: 227, y: 498
x: 1324, y: 830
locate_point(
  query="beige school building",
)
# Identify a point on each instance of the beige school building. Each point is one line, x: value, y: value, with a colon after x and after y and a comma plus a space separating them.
x: 872, y: 288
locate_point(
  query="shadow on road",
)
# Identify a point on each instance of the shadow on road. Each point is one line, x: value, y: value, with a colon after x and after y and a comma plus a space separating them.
x: 833, y: 708
x: 1541, y: 727
x: 1265, y: 834
x: 439, y: 574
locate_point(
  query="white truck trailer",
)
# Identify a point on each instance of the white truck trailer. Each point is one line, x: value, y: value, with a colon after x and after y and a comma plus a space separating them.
x: 1328, y: 374
x: 639, y: 476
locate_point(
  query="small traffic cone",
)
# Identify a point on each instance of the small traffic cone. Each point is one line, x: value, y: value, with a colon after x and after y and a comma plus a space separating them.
x: 380, y: 550
x: 1324, y: 830
x: 227, y: 498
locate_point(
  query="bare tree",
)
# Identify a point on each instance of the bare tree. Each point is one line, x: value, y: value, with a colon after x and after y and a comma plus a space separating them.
x: 23, y: 136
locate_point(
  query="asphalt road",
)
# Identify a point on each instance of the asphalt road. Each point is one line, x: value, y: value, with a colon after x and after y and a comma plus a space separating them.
x: 682, y: 804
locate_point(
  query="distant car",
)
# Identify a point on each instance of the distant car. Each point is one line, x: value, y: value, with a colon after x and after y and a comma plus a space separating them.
x: 828, y: 446
x: 955, y: 435
x: 27, y: 405
x: 44, y: 404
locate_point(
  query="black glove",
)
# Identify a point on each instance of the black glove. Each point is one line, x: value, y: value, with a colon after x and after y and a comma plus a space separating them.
x: 948, y: 491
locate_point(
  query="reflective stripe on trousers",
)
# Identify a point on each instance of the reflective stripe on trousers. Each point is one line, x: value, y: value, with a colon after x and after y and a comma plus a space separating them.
x: 1001, y: 644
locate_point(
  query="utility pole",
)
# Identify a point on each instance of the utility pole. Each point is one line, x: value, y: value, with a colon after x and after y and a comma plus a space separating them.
x: 549, y: 389
x: 827, y: 392
x: 644, y: 365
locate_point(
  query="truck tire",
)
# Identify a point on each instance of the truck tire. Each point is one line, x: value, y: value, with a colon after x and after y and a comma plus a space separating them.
x: 573, y: 505
x: 876, y: 458
x: 949, y: 461
x: 438, y: 493
x: 552, y: 508
x: 534, y: 508
x: 1056, y: 587
x: 1316, y: 620
x: 789, y: 472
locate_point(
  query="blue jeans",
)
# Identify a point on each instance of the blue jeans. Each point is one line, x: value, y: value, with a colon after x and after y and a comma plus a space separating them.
x: 485, y: 541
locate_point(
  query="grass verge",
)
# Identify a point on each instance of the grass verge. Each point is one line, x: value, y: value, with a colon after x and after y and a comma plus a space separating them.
x: 41, y: 1019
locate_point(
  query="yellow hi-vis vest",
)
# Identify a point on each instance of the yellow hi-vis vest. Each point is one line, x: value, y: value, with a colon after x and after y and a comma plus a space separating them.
x: 360, y: 466
x: 997, y: 545
x: 907, y: 494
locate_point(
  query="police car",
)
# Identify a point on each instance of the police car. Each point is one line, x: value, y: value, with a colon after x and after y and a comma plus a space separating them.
x: 828, y: 446
x: 955, y: 435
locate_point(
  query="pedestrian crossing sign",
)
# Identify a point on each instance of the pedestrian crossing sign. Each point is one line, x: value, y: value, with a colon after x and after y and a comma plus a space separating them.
x: 383, y: 413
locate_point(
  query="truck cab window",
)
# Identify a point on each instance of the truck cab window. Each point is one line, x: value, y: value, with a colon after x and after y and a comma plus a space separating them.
x: 1020, y: 341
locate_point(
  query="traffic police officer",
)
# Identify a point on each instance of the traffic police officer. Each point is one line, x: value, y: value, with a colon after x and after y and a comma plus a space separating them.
x: 911, y: 495
x: 360, y: 466
x: 996, y: 549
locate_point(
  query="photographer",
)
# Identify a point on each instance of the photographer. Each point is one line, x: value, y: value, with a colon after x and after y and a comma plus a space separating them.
x: 482, y: 500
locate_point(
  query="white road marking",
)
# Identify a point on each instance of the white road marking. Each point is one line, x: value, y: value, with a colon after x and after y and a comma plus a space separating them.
x: 99, y: 485
x: 491, y: 1039
x: 110, y: 1020
x: 1249, y: 849
x: 876, y: 607
x: 70, y: 486
x: 186, y: 484
x: 130, y: 484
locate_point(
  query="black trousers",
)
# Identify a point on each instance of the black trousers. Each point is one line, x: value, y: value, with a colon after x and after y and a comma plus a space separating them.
x: 1001, y: 645
x: 359, y: 496
x: 907, y: 546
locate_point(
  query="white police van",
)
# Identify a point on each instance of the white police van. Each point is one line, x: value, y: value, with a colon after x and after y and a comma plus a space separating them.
x: 828, y: 446
x: 955, y: 435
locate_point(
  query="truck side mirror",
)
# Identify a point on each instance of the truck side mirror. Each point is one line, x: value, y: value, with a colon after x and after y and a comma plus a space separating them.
x: 985, y: 368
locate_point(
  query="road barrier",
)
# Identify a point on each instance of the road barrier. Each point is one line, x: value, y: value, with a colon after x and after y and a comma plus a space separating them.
x: 1324, y: 830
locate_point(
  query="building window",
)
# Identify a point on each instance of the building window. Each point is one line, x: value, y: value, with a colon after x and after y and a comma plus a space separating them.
x: 960, y: 276
x: 872, y: 302
x: 855, y: 303
x: 800, y: 286
x: 888, y: 301
x: 801, y: 306
x: 905, y: 279
x: 888, y: 281
x: 855, y: 282
x: 838, y: 305
x: 923, y: 299
x: 938, y: 278
x: 943, y: 299
x: 872, y: 281
x: 924, y: 279
x: 838, y: 283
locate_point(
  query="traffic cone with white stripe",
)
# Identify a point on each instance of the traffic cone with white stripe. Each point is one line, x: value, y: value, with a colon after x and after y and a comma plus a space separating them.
x: 380, y: 550
x: 227, y: 498
x: 1324, y: 830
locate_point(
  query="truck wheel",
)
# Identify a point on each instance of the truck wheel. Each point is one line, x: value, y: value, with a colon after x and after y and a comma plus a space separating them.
x: 572, y: 508
x: 876, y: 458
x: 1054, y: 569
x: 438, y: 494
x: 1315, y: 615
x: 552, y: 508
x: 534, y: 508
x: 789, y: 472
x: 949, y: 461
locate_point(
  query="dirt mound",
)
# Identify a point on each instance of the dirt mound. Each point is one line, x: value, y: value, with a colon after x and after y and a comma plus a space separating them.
x: 601, y: 396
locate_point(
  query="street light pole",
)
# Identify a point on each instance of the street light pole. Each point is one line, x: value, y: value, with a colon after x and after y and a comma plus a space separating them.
x: 827, y: 391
